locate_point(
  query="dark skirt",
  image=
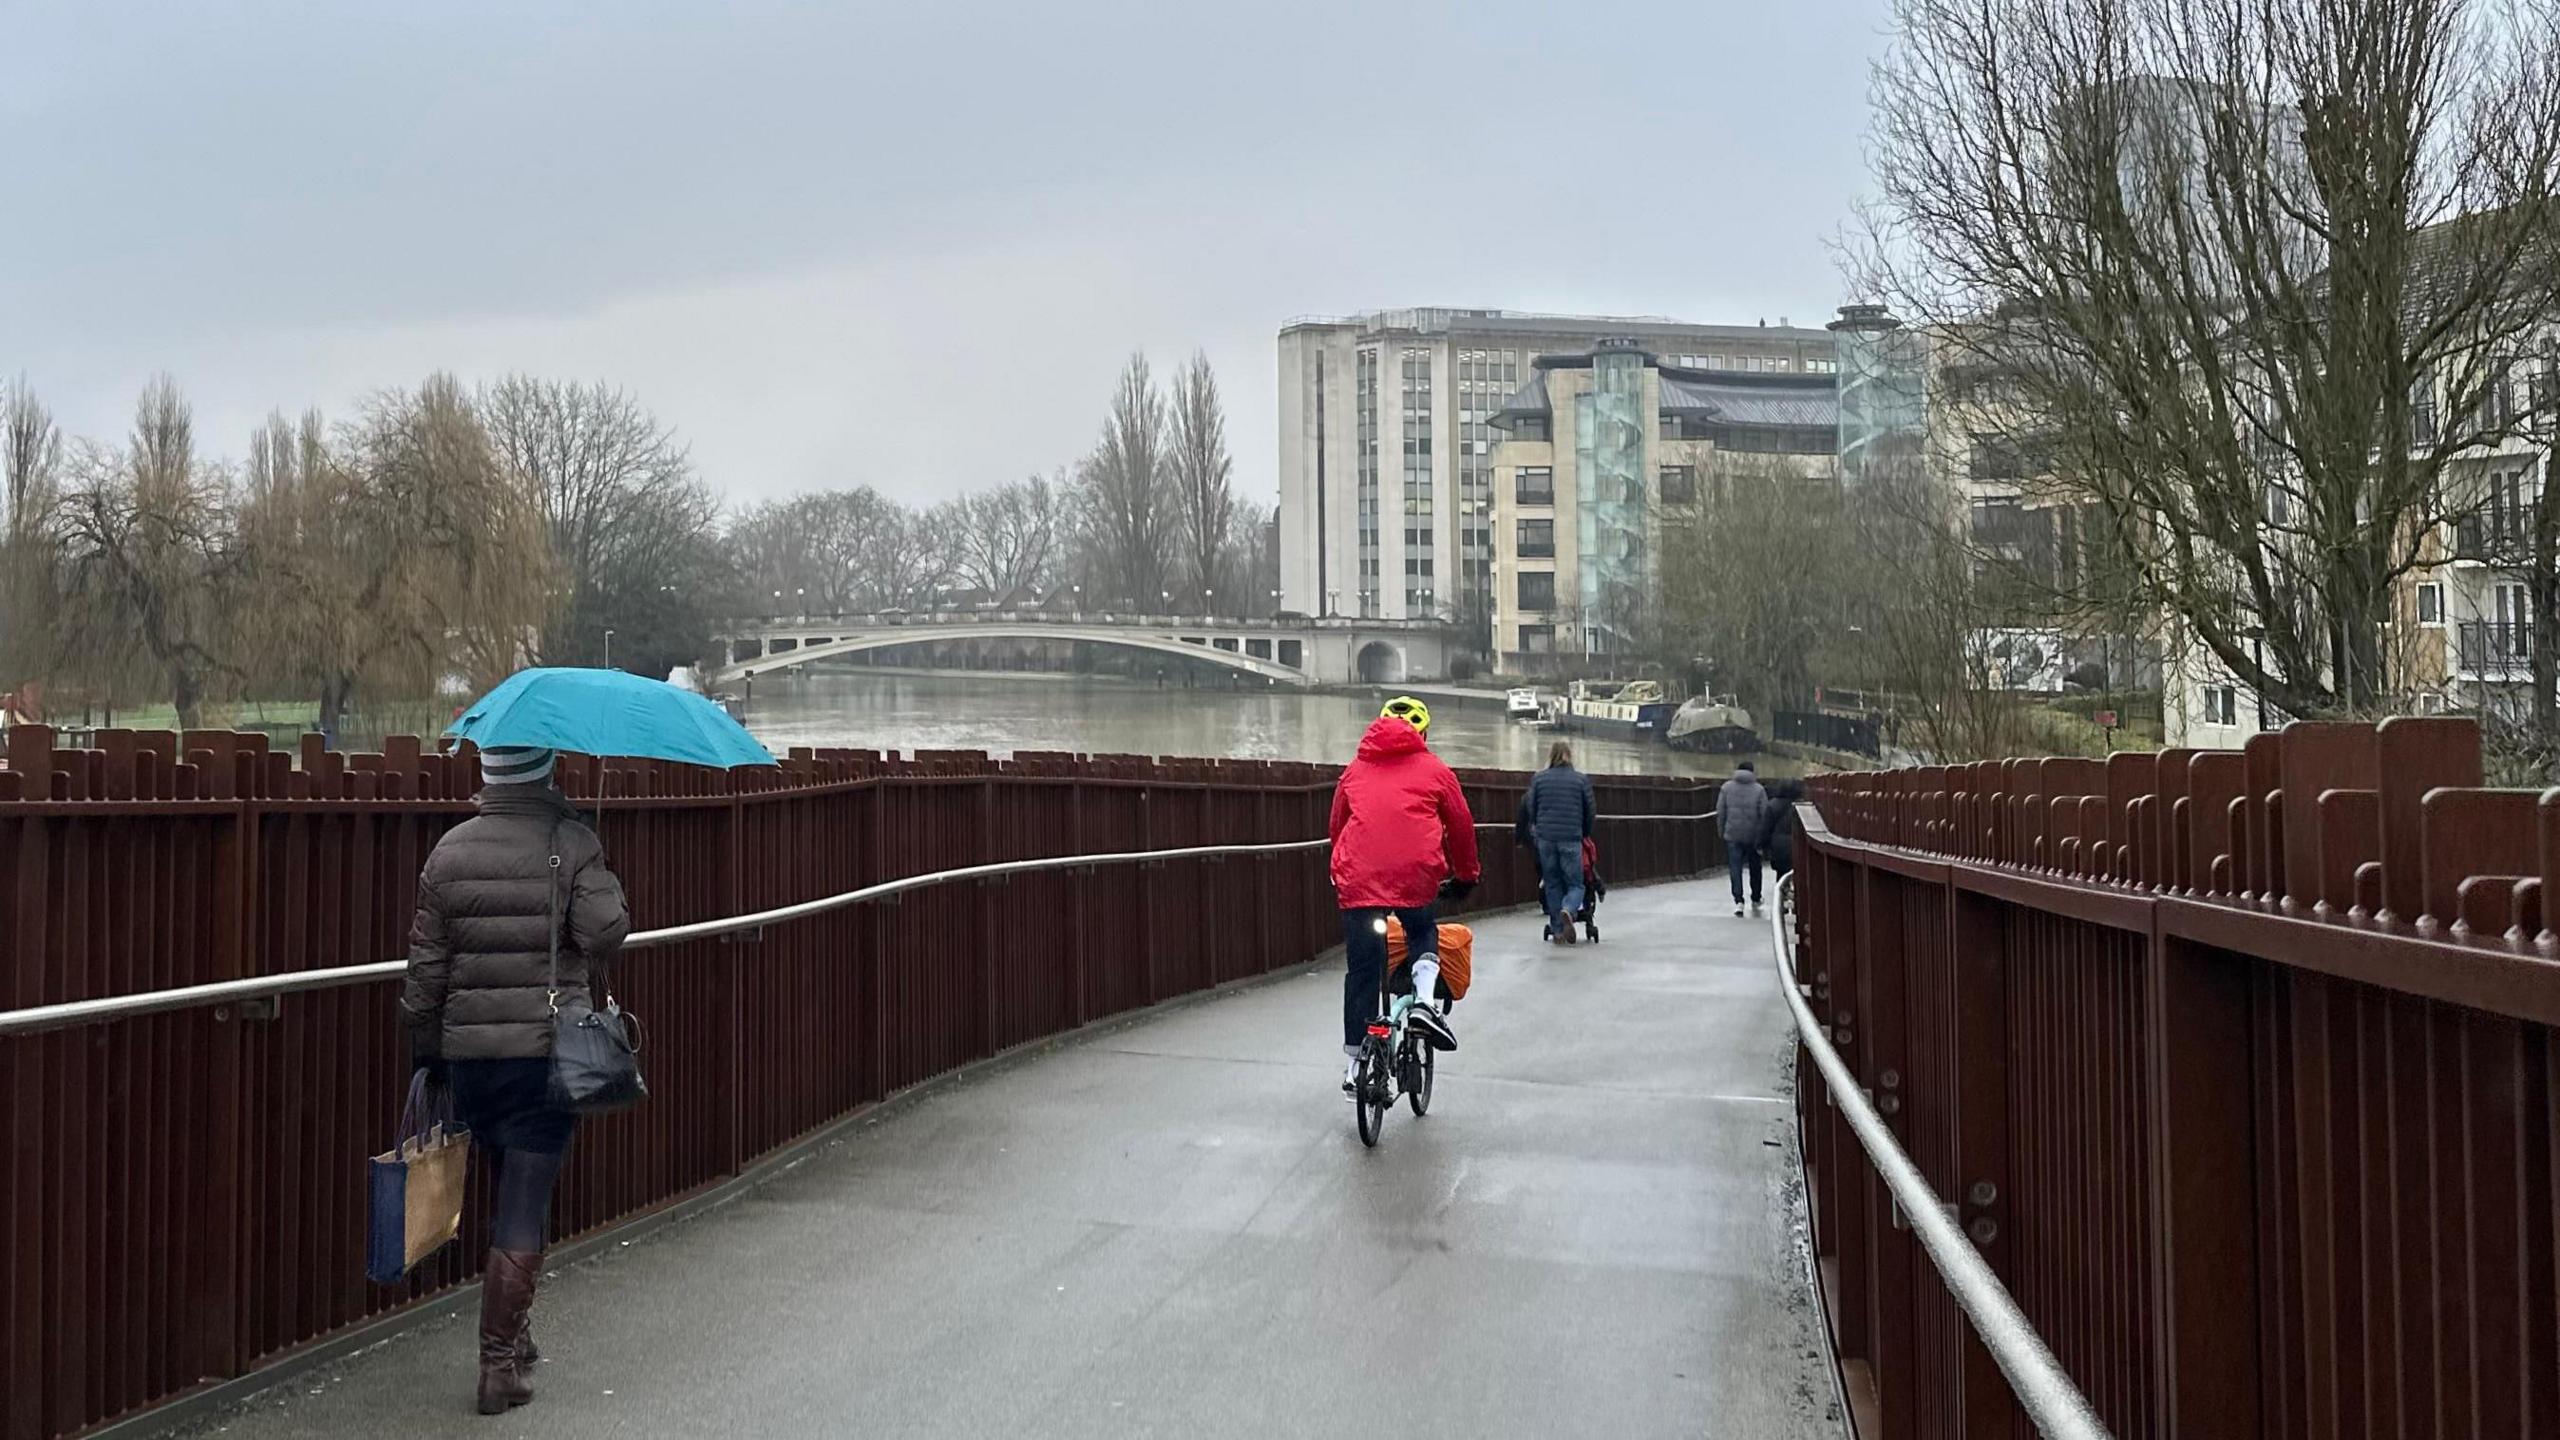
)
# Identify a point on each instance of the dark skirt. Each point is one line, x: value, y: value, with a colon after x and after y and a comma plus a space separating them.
x: 507, y: 1104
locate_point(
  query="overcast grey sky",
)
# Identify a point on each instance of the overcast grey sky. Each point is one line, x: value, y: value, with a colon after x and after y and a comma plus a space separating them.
x: 908, y: 244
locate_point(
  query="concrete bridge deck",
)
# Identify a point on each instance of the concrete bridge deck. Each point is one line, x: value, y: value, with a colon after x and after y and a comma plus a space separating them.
x: 1167, y: 1228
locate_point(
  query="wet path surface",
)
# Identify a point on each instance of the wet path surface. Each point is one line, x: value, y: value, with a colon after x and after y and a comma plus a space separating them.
x: 1169, y: 1229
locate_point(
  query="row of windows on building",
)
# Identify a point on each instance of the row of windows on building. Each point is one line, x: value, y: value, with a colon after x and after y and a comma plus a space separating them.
x: 1536, y: 485
x: 1752, y: 364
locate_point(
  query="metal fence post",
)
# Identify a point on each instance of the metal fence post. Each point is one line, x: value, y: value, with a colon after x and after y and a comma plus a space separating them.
x: 2203, y: 1109
x: 22, y: 1315
x: 733, y: 993
x: 1886, y: 1069
x: 1078, y: 886
x: 1978, y: 950
x: 1853, y: 1183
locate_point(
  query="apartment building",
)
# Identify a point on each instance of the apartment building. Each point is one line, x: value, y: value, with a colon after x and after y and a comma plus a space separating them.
x: 1388, y: 487
x: 1601, y: 450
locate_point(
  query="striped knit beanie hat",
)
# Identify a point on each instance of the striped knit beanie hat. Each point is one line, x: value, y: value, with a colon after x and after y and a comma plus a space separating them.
x: 516, y: 764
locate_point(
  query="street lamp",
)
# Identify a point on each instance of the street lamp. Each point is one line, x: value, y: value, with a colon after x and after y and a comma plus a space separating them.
x: 803, y: 593
x: 608, y: 648
x: 1076, y: 605
x: 1208, y: 600
x: 776, y: 612
x: 1168, y: 599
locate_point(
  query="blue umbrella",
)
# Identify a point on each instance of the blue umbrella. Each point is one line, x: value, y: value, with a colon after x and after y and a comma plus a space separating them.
x: 607, y: 712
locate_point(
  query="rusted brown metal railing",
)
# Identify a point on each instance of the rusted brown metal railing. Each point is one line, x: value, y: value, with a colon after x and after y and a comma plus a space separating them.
x: 2238, y: 1067
x: 181, y: 1196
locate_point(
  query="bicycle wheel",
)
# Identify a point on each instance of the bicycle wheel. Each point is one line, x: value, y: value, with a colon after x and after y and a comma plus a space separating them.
x: 1371, y: 1092
x: 1418, y: 1093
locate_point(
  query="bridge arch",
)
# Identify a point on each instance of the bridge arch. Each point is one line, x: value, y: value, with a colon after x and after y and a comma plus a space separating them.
x: 893, y: 638
x: 1381, y: 663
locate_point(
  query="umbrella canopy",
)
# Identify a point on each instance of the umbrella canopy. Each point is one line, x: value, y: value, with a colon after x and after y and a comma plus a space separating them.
x: 607, y: 712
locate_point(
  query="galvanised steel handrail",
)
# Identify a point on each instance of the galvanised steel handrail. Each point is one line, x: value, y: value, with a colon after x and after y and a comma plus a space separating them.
x: 2044, y: 1391
x: 264, y: 987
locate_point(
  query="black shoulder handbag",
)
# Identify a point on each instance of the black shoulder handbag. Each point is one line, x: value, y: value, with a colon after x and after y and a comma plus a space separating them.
x: 595, y: 1054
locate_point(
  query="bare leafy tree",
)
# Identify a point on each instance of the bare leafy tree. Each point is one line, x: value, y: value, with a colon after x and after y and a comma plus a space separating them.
x: 150, y: 559
x: 839, y: 551
x: 1203, y: 481
x: 2243, y: 274
x: 633, y: 529
x: 1254, y: 541
x: 1757, y: 582
x: 30, y: 477
x: 1005, y: 539
x: 1125, y: 494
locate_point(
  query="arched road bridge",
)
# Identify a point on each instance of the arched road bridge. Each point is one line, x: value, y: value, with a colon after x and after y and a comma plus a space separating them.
x: 1332, y: 650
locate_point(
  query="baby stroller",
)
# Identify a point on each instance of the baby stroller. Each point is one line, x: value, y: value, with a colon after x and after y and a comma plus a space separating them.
x: 1593, y: 890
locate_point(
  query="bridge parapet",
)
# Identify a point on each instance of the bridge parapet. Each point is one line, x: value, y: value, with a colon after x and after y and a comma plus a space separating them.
x: 2183, y: 1041
x: 1295, y: 651
x: 217, y: 1150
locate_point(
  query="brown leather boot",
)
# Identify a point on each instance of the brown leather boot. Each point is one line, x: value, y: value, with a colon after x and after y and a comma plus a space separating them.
x: 506, y: 1301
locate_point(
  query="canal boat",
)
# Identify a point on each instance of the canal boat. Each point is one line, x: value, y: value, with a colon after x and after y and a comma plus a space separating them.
x: 1715, y: 726
x: 1523, y: 703
x: 1635, y: 710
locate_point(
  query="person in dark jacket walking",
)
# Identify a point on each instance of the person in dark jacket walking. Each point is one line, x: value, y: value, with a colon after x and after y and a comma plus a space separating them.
x: 496, y: 892
x: 1780, y: 843
x: 1401, y: 830
x: 1742, y: 817
x: 1560, y: 811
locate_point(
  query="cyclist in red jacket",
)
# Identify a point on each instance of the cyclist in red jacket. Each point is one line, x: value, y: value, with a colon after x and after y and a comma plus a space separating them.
x: 1402, y: 839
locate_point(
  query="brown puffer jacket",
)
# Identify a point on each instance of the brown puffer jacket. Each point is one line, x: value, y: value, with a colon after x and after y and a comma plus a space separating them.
x: 480, y: 950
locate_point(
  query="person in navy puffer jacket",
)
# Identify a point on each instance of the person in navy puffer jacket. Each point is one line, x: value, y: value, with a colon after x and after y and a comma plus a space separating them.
x: 1560, y: 813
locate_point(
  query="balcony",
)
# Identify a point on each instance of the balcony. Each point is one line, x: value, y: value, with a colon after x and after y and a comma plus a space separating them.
x: 1528, y: 494
x: 2494, y: 648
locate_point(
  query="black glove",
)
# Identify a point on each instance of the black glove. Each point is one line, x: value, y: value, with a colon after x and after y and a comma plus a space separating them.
x: 1454, y: 890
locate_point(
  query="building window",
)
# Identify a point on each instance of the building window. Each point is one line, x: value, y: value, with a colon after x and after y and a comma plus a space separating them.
x: 2430, y: 602
x: 1679, y: 485
x: 1537, y: 639
x: 2221, y: 705
x: 1534, y: 485
x: 1537, y: 591
x: 1537, y: 539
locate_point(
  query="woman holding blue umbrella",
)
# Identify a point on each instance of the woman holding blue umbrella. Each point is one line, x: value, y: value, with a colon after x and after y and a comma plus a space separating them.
x: 478, y: 1002
x: 516, y: 910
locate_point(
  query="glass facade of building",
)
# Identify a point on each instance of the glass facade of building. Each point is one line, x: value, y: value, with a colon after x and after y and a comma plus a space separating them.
x: 1883, y: 411
x: 1612, y: 584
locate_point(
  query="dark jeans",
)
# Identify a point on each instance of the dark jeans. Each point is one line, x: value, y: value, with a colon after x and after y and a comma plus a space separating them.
x: 1364, y: 952
x: 1738, y: 856
x: 1560, y: 880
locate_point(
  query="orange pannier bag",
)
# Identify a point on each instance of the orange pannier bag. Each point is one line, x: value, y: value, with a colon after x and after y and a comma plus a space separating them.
x: 1457, y: 954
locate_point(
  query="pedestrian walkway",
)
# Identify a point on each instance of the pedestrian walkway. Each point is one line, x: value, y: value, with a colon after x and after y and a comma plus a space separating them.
x: 1169, y: 1229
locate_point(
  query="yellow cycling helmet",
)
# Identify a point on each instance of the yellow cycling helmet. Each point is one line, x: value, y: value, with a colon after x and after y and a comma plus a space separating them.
x: 1411, y: 711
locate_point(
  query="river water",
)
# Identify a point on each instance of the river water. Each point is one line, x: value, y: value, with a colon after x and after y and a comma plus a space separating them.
x: 953, y: 712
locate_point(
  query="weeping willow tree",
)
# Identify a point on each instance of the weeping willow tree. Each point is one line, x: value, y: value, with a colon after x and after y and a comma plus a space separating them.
x: 390, y: 555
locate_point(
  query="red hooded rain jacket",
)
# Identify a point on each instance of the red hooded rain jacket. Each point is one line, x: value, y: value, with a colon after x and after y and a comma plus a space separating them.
x: 1400, y: 823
